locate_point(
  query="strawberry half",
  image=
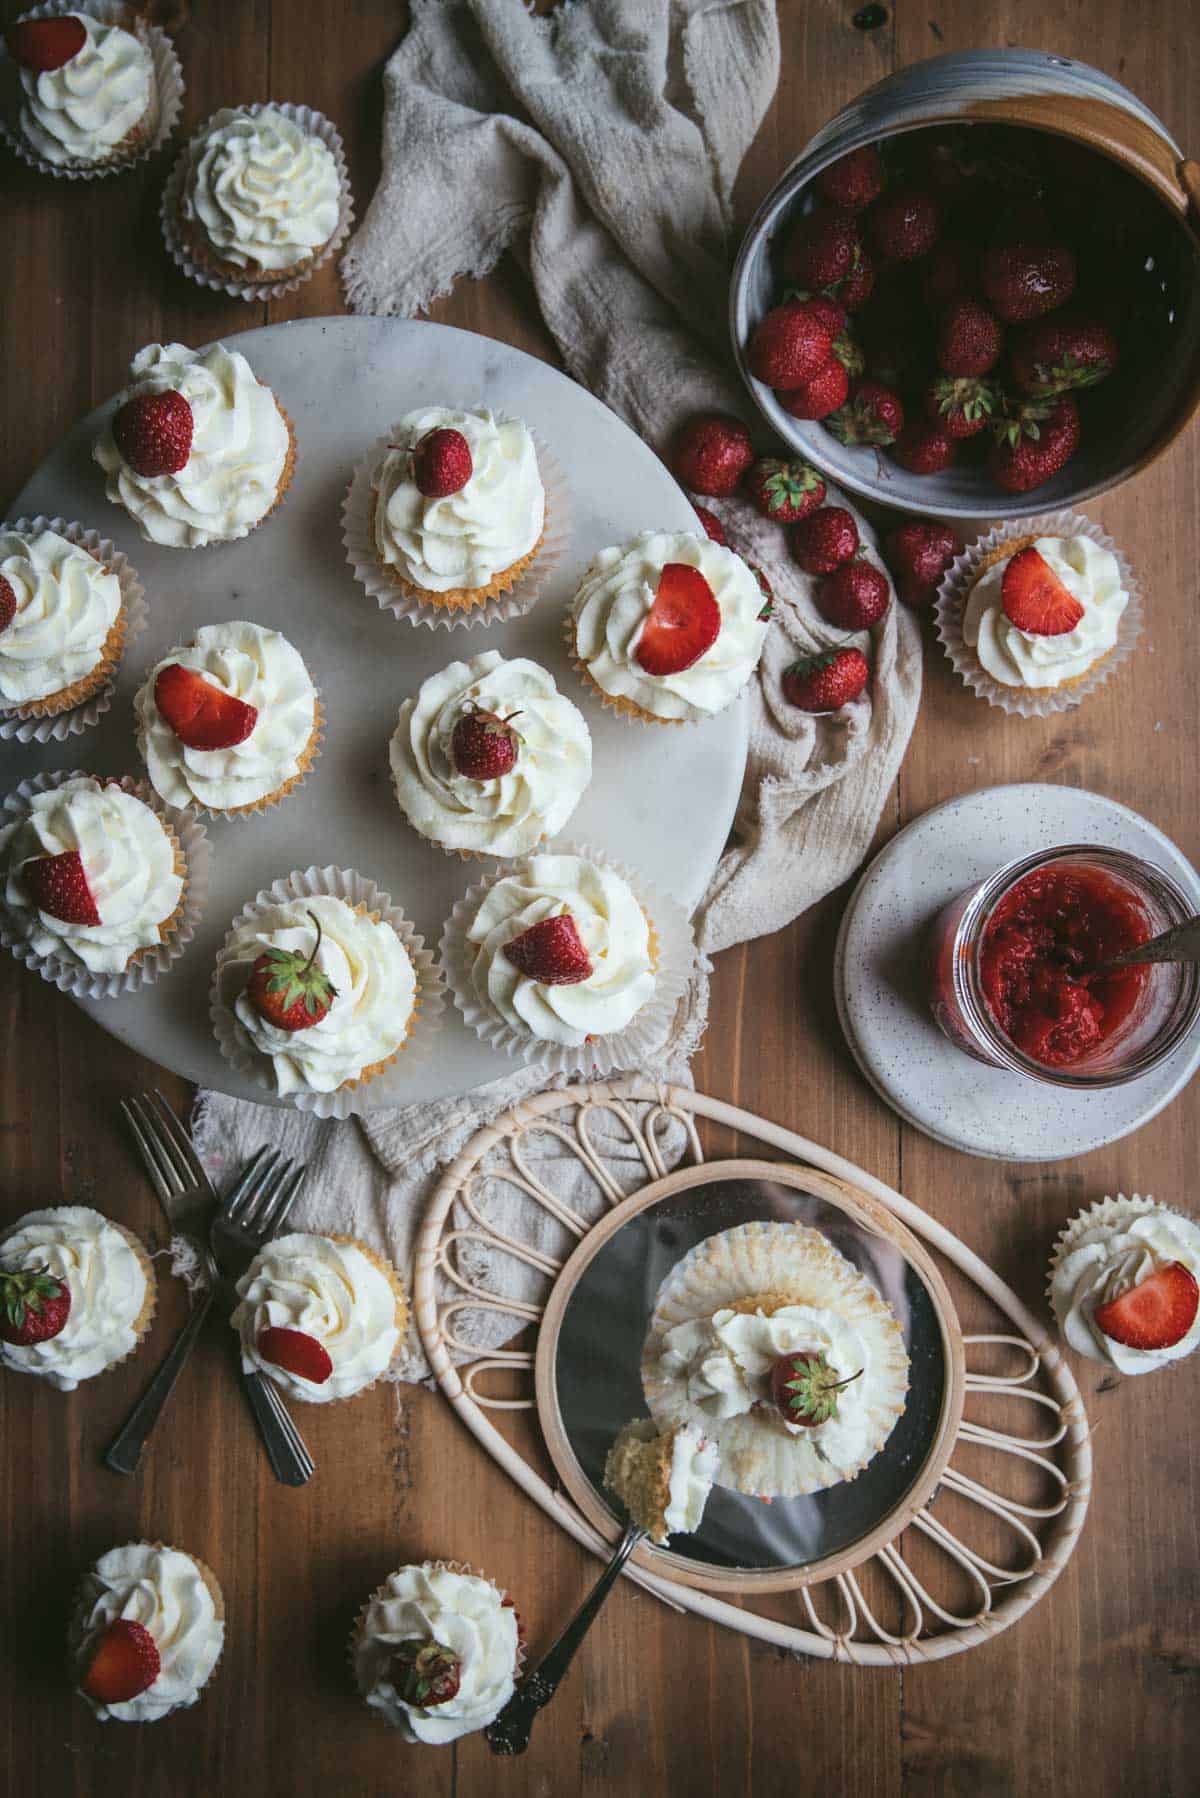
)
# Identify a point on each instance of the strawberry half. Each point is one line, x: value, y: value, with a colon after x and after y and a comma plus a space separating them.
x: 1035, y: 600
x: 683, y: 623
x: 125, y: 1663
x: 1156, y: 1313
x: 551, y: 952
x: 34, y: 1305
x: 442, y: 463
x: 58, y: 885
x: 201, y: 715
x: 153, y: 432
x: 45, y: 44
x: 8, y: 603
x: 296, y: 1352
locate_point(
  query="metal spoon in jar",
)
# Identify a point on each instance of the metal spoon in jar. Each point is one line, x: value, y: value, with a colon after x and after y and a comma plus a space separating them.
x: 1180, y: 943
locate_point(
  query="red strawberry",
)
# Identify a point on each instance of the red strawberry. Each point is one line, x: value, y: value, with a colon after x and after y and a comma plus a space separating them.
x: 1023, y: 280
x: 441, y: 463
x: 924, y: 448
x: 853, y: 181
x: 1056, y: 354
x: 784, y: 491
x: 969, y: 340
x: 296, y: 1352
x: 904, y: 224
x: 828, y: 681
x: 873, y: 415
x: 918, y: 552
x: 712, y: 524
x: 288, y: 989
x: 484, y: 747
x: 45, y: 44
x: 201, y: 714
x: 124, y: 1663
x: 683, y: 623
x: 960, y: 406
x: 424, y: 1672
x: 34, y: 1305
x: 58, y: 885
x: 1156, y: 1313
x: 8, y: 603
x: 1034, y: 598
x: 153, y: 432
x: 711, y: 453
x: 1034, y: 444
x: 831, y: 312
x: 804, y: 1387
x: 765, y: 588
x: 789, y: 345
x: 822, y: 248
x: 855, y: 289
x: 820, y: 395
x: 855, y: 596
x: 951, y: 273
x: 823, y: 541
x: 551, y: 952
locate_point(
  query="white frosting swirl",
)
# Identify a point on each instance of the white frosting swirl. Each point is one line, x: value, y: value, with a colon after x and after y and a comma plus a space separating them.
x: 84, y: 110
x: 463, y: 1613
x: 67, y: 603
x: 128, y: 862
x: 263, y: 190
x: 695, y: 1463
x: 332, y: 1292
x: 239, y: 449
x: 614, y: 601
x: 465, y: 539
x: 1018, y: 658
x: 107, y: 1283
x: 164, y: 1590
x: 1106, y: 1250
x: 372, y: 976
x: 613, y: 929
x: 511, y: 814
x: 259, y: 667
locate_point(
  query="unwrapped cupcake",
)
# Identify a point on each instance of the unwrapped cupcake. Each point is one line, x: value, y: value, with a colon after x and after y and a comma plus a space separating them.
x: 663, y: 1478
x: 1123, y: 1284
x: 146, y: 1633
x: 77, y: 1294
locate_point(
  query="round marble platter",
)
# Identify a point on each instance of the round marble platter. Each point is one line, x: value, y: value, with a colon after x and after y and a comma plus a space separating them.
x: 660, y: 800
x: 879, y: 979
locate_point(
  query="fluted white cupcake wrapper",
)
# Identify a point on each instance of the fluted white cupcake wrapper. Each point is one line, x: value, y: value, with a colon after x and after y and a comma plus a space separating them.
x: 270, y: 800
x: 70, y: 976
x: 960, y: 577
x: 358, y: 535
x: 168, y: 76
x: 641, y: 1038
x: 383, y: 1088
x: 18, y: 724
x: 1106, y: 1213
x: 255, y: 287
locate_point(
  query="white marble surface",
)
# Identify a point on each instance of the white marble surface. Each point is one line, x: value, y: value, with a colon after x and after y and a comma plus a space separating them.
x: 660, y: 800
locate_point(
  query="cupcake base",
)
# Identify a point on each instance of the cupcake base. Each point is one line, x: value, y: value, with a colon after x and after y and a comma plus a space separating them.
x: 461, y: 599
x: 77, y: 1625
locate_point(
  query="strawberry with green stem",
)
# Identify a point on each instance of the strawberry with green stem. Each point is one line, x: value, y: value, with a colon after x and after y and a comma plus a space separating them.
x: 34, y: 1305
x: 425, y: 1673
x: 784, y: 491
x: 805, y: 1388
x: 288, y: 989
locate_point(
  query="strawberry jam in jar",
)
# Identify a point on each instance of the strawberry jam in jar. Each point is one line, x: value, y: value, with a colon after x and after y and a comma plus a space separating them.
x: 1013, y: 968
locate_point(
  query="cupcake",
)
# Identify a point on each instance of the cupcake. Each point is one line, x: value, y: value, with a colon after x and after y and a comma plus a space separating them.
x: 230, y: 721
x: 436, y: 1651
x: 63, y: 621
x: 489, y: 758
x: 669, y: 628
x: 198, y: 451
x: 146, y: 1633
x: 92, y: 878
x: 81, y: 92
x: 663, y: 1478
x: 1123, y: 1284
x: 322, y: 1316
x: 76, y: 1294
x: 782, y: 1353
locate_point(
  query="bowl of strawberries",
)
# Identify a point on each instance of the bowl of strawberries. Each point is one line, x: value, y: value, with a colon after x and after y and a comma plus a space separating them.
x: 975, y: 293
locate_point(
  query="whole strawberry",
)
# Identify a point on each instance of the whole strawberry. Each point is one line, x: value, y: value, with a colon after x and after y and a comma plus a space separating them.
x: 790, y: 343
x: 827, y: 681
x: 831, y: 312
x: 153, y: 432
x: 919, y: 552
x: 924, y: 448
x: 1022, y: 281
x: 950, y: 273
x: 712, y: 524
x: 34, y: 1305
x: 1054, y: 355
x: 424, y: 1672
x: 855, y: 289
x: 711, y: 453
x: 824, y: 540
x: 969, y: 339
x: 904, y: 224
x: 960, y: 407
x: 874, y: 414
x: 483, y: 746
x: 288, y: 989
x: 820, y: 395
x: 805, y: 1388
x: 822, y: 247
x: 784, y: 491
x: 855, y: 596
x: 853, y: 181
x: 1034, y: 443
x: 442, y: 463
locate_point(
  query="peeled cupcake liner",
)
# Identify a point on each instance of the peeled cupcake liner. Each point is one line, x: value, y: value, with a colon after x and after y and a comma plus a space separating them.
x: 965, y: 570
x: 358, y: 535
x: 168, y: 79
x: 22, y: 723
x: 192, y: 845
x: 674, y: 950
x: 385, y: 1083
x: 468, y: 1572
x: 222, y: 281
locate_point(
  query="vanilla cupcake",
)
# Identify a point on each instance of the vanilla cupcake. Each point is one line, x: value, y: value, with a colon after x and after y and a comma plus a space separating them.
x: 668, y: 628
x: 198, y: 450
x: 62, y: 623
x: 86, y: 92
x: 230, y: 721
x: 322, y: 1316
x: 77, y: 1294
x: 489, y: 758
x: 663, y: 1479
x: 436, y: 1652
x: 1123, y: 1284
x: 146, y: 1633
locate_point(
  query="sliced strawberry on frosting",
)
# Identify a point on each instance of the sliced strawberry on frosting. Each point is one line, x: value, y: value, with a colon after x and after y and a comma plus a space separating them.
x: 683, y: 623
x: 1034, y: 598
x: 58, y: 885
x: 125, y: 1663
x: 45, y: 44
x: 1156, y: 1313
x: 551, y: 952
x: 8, y: 603
x: 296, y: 1352
x: 201, y: 715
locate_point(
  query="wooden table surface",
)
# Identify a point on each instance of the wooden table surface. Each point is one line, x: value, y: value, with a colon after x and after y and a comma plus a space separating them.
x: 1097, y: 1690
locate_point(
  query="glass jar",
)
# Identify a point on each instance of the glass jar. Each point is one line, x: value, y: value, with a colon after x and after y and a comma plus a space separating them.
x: 1161, y: 1001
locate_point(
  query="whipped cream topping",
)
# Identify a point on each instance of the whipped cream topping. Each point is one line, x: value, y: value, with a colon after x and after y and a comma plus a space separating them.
x: 695, y: 1463
x: 107, y: 1283
x: 239, y: 449
x: 462, y: 1612
x: 1018, y: 658
x: 465, y: 539
x: 263, y: 190
x: 373, y: 980
x: 259, y: 667
x: 164, y: 1590
x: 1106, y: 1250
x: 128, y: 862
x: 84, y: 111
x: 331, y: 1291
x: 512, y: 813
x: 614, y: 601
x: 613, y: 929
x: 67, y: 603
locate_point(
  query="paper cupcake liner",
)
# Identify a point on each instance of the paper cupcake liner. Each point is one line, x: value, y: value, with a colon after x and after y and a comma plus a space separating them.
x: 311, y: 755
x: 960, y: 577
x: 632, y: 1047
x: 403, y: 1320
x: 385, y: 1084
x: 359, y: 539
x: 141, y: 1322
x: 222, y: 281
x: 168, y: 78
x: 20, y: 724
x: 461, y: 1567
x: 192, y: 840
x: 1107, y: 1213
x: 80, y: 1610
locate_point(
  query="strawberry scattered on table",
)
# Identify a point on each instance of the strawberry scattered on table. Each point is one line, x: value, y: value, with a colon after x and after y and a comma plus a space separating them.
x: 153, y: 432
x: 918, y: 552
x: 824, y: 540
x: 58, y: 885
x: 826, y: 681
x: 288, y: 989
x: 34, y: 1305
x: 712, y: 525
x: 1156, y: 1313
x: 296, y: 1352
x: 855, y: 596
x: 786, y: 491
x: 124, y: 1664
x: 1034, y: 599
x: 710, y: 454
x: 202, y: 715
x: 682, y: 624
x: 442, y: 463
x: 484, y: 746
x: 552, y: 952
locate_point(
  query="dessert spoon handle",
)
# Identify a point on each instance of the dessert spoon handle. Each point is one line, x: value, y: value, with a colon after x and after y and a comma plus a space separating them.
x: 1180, y: 943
